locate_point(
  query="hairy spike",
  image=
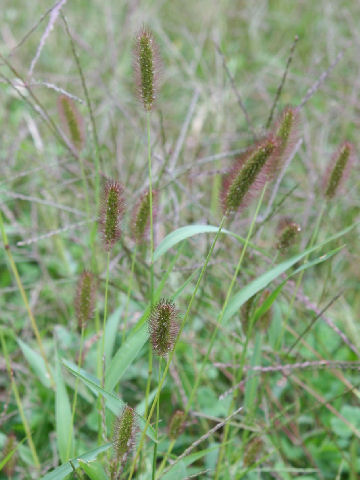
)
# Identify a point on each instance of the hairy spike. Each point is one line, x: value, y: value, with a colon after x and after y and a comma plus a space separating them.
x: 338, y: 169
x: 85, y: 298
x: 141, y: 215
x: 72, y: 122
x: 248, y: 175
x: 177, y: 424
x: 111, y: 209
x: 252, y: 451
x: 163, y: 327
x: 288, y: 232
x: 286, y: 131
x: 124, y: 434
x: 146, y: 66
x: 249, y: 308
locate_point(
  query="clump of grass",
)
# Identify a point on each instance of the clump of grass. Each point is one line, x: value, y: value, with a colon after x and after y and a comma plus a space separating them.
x: 110, y: 215
x: 339, y: 169
x: 249, y: 174
x: 163, y: 327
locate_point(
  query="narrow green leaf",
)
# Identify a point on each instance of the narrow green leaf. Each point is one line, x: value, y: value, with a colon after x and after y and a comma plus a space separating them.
x: 61, y: 472
x: 263, y: 281
x: 36, y: 362
x: 111, y: 328
x: 93, y: 469
x: 62, y: 415
x: 124, y: 357
x: 114, y: 403
x: 189, y: 231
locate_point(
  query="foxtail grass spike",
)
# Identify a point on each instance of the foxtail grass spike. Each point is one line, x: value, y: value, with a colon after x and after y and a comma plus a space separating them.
x: 146, y: 66
x: 85, y: 298
x: 10, y: 445
x: 339, y: 169
x: 124, y: 434
x: 252, y: 451
x: 177, y: 424
x: 163, y: 327
x: 249, y: 308
x: 286, y: 131
x: 72, y: 122
x: 249, y: 175
x: 141, y: 215
x: 112, y: 207
x: 288, y: 232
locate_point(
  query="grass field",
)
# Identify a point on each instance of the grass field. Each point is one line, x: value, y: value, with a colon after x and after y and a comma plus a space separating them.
x: 263, y: 357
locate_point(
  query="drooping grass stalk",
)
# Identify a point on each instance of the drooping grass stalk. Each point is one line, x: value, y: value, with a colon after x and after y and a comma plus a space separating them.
x: 166, y: 369
x: 34, y: 326
x: 18, y: 400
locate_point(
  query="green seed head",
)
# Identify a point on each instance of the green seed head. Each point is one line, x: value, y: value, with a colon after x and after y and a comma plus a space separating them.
x: 252, y: 451
x: 286, y: 131
x: 72, y: 122
x: 248, y: 175
x: 288, y: 234
x: 85, y: 298
x: 338, y: 169
x: 163, y: 327
x: 111, y: 210
x: 146, y: 67
x: 124, y: 433
x: 176, y: 425
x: 141, y: 215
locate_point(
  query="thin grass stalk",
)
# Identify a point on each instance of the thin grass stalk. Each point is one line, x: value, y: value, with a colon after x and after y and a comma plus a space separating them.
x: 131, y: 280
x: 18, y: 401
x: 103, y: 337
x: 156, y: 426
x: 148, y: 384
x: 34, y: 326
x: 68, y: 450
x: 142, y: 438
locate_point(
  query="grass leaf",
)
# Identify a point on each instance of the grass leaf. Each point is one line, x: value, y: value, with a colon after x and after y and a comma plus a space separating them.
x: 36, y: 362
x: 62, y: 415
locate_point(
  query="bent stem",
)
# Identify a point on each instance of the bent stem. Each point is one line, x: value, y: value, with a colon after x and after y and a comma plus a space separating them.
x: 34, y: 326
x: 186, y: 316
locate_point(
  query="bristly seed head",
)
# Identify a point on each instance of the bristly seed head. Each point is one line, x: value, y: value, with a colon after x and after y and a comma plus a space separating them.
x: 111, y: 210
x: 72, y: 122
x: 286, y: 131
x: 288, y: 233
x: 85, y: 298
x: 177, y: 424
x: 163, y: 327
x: 124, y: 434
x: 249, y: 308
x: 141, y: 215
x: 248, y: 175
x: 146, y: 67
x: 252, y: 451
x: 339, y: 169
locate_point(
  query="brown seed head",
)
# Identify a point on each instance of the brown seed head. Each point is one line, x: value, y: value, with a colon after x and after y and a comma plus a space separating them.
x: 163, y: 327
x: 112, y: 207
x: 85, y: 298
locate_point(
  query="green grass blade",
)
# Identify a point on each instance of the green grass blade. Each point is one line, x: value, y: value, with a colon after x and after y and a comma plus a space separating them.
x: 114, y: 403
x: 36, y: 362
x: 264, y: 280
x: 112, y: 325
x: 189, y: 231
x: 63, y: 416
x: 125, y: 356
x: 64, y: 470
x: 93, y: 470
